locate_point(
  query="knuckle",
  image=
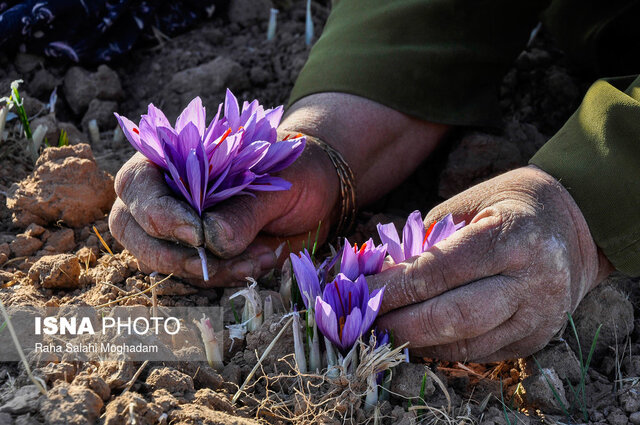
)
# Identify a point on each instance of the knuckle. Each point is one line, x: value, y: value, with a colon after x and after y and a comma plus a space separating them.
x: 441, y: 324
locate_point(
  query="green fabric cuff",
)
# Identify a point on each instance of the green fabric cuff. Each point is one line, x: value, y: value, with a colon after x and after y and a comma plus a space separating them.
x: 438, y: 60
x: 596, y: 156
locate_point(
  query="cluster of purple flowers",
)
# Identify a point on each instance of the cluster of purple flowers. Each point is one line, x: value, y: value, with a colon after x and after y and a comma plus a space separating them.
x: 237, y: 153
x: 345, y: 309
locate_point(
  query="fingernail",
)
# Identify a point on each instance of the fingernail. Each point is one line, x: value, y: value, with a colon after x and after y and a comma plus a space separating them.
x: 242, y: 269
x: 186, y: 233
x: 267, y: 260
x: 194, y: 266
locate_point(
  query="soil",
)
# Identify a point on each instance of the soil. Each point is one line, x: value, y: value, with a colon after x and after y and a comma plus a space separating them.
x: 50, y: 254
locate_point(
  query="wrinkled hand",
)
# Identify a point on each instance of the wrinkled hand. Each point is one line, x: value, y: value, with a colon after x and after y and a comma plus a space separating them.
x: 160, y: 230
x: 501, y: 286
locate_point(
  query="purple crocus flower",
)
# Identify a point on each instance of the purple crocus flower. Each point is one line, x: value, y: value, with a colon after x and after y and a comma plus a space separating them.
x: 366, y: 260
x: 307, y: 277
x: 233, y: 155
x: 415, y: 240
x: 346, y: 310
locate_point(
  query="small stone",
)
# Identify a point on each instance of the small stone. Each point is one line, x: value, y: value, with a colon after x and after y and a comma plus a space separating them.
x: 24, y: 246
x: 95, y: 383
x: 25, y: 62
x: 71, y: 404
x: 210, y: 77
x: 34, y: 230
x: 59, y: 371
x: 60, y: 241
x: 630, y: 401
x: 604, y: 305
x: 561, y: 358
x: 56, y: 271
x: 32, y: 106
x: 87, y: 256
x: 232, y: 373
x: 27, y: 419
x: 258, y: 75
x: 634, y: 418
x: 246, y: 12
x: 4, y: 249
x: 617, y: 417
x: 42, y: 84
x: 24, y: 400
x: 81, y: 86
x: 101, y: 111
x: 6, y: 419
x: 55, y: 127
x: 407, y: 381
x: 539, y: 394
x: 171, y: 379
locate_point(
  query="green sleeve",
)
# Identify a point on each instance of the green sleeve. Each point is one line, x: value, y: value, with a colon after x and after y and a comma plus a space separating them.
x: 439, y: 60
x: 596, y: 156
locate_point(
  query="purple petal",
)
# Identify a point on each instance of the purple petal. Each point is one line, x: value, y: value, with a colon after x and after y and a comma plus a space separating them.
x: 327, y: 321
x: 270, y: 183
x: 351, y: 330
x: 331, y: 294
x: 281, y: 155
x: 361, y: 290
x: 372, y: 309
x: 157, y: 117
x: 249, y: 156
x: 194, y: 177
x: 179, y: 183
x: 194, y: 113
x: 222, y: 154
x: 238, y: 185
x: 372, y: 259
x: 389, y: 235
x: 231, y: 111
x: 349, y: 262
x: 441, y: 230
x: 306, y: 276
x: 215, y: 128
x: 413, y: 235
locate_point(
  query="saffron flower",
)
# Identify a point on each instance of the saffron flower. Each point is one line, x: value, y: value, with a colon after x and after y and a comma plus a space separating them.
x: 235, y: 154
x: 366, y: 260
x: 415, y: 240
x: 306, y: 276
x: 346, y: 310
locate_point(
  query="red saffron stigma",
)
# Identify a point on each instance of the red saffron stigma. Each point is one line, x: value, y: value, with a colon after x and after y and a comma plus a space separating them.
x: 362, y: 248
x: 429, y: 230
x: 135, y: 130
x: 339, y: 296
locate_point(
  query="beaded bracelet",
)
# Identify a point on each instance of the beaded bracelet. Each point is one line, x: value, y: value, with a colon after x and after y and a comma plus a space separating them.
x: 347, y: 183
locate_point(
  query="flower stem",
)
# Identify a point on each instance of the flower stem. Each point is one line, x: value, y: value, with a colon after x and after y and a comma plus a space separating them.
x: 372, y: 393
x: 301, y: 361
x: 314, y: 354
x: 332, y: 360
x: 203, y: 258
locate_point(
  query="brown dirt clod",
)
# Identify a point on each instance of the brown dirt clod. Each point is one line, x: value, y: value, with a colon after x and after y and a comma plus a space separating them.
x: 66, y: 185
x: 56, y: 271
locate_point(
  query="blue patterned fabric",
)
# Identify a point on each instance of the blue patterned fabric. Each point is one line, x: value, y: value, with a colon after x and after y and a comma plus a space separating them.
x: 93, y: 30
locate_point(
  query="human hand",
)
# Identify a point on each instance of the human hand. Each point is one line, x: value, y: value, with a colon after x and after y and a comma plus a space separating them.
x: 501, y: 286
x: 148, y: 219
x: 243, y: 231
